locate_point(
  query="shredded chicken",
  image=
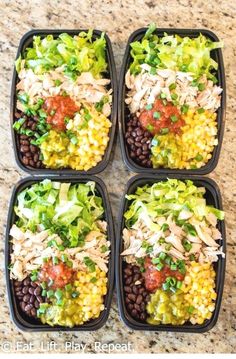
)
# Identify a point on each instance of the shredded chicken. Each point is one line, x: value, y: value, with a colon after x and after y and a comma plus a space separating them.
x: 145, y: 87
x: 204, y: 244
x: 85, y: 88
x: 29, y: 249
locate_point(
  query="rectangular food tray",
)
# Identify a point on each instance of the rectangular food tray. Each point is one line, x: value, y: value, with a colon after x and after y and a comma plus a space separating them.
x: 213, y: 197
x: 22, y: 321
x: 26, y: 41
x: 123, y: 108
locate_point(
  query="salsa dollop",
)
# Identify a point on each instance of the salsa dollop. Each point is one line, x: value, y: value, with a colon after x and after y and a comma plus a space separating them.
x: 58, y: 108
x: 155, y: 278
x: 59, y: 274
x: 161, y: 117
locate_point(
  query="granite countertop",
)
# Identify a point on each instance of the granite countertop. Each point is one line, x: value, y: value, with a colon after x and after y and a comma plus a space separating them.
x: 119, y: 18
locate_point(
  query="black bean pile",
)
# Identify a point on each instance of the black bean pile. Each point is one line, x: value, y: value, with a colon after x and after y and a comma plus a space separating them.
x: 29, y: 295
x: 30, y: 154
x: 136, y: 296
x: 139, y: 142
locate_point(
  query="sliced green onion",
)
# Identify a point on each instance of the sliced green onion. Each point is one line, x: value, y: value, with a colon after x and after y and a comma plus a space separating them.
x: 172, y: 86
x: 68, y: 287
x: 58, y: 294
x: 50, y: 293
x: 156, y: 115
x: 57, y: 82
x: 190, y: 309
x: 184, y: 108
x: 200, y: 110
x: 148, y: 107
x: 199, y: 157
x: 162, y: 255
x: 174, y: 118
x: 159, y: 266
x: 164, y: 227
x: 164, y: 130
x: 163, y: 95
x: 93, y: 280
x: 201, y: 87
x: 55, y: 260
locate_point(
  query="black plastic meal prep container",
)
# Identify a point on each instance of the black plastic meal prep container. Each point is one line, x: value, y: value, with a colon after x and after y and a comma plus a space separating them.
x: 123, y: 110
x: 213, y: 197
x: 26, y: 41
x: 33, y: 325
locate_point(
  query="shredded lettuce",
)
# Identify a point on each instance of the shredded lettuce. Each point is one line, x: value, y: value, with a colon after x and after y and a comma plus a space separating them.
x: 168, y: 197
x: 174, y: 52
x: 78, y: 53
x: 70, y: 210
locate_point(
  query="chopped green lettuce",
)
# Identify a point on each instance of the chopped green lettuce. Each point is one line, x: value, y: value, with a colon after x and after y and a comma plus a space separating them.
x: 70, y: 210
x: 175, y: 52
x: 78, y: 53
x: 168, y: 197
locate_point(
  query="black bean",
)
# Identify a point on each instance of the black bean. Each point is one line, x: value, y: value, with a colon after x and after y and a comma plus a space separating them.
x: 135, y: 289
x: 33, y: 312
x: 134, y: 134
x: 139, y: 299
x: 24, y: 148
x: 141, y: 290
x: 33, y: 127
x: 38, y: 164
x: 136, y: 277
x: 134, y: 313
x: 128, y: 271
x: 32, y: 299
x: 139, y: 132
x: 24, y: 142
x: 28, y: 307
x: 138, y: 152
x: 142, y: 306
x: 130, y: 141
x: 33, y: 284
x: 36, y: 157
x: 25, y: 290
x: 128, y: 281
x: 132, y: 154
x: 31, y: 290
x: 26, y: 281
x: 25, y: 160
x: 33, y: 148
x: 28, y: 154
x: 37, y: 291
x: 137, y: 307
x: 132, y: 297
x: 39, y: 299
x: 127, y: 300
x: 127, y: 289
x: 31, y: 162
x: 144, y: 140
x: 17, y: 283
x: 23, y: 137
x: 26, y: 298
x: 22, y: 305
x: 145, y: 147
x: 143, y: 316
x: 36, y: 304
x: 138, y: 144
x: 28, y: 312
x: 130, y: 306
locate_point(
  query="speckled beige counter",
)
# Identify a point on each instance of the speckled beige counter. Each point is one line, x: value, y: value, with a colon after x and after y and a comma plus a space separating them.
x: 119, y: 19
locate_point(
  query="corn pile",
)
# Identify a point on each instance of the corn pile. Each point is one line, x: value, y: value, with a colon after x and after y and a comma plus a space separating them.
x: 198, y: 286
x: 91, y: 288
x: 84, y: 153
x: 192, y: 148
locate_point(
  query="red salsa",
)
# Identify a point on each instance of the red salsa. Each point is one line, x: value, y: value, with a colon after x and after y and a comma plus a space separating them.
x: 161, y: 117
x: 58, y: 108
x: 60, y: 274
x: 155, y: 278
